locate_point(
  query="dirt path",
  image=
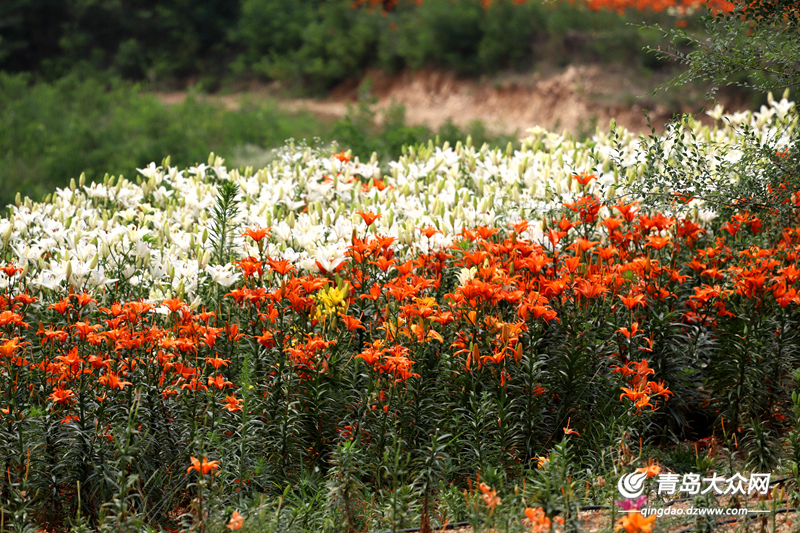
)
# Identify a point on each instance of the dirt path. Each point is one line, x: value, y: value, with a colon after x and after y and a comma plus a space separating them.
x: 575, y: 99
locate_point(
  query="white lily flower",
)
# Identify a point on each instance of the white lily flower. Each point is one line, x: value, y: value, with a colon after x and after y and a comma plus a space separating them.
x: 224, y: 275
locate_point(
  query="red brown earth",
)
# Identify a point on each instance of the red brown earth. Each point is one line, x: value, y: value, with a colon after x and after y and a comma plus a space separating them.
x: 574, y: 99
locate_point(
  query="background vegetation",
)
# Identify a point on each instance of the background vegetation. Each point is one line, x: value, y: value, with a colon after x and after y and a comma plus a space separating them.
x: 736, y: 360
x: 75, y: 74
x: 312, y: 43
x: 51, y: 132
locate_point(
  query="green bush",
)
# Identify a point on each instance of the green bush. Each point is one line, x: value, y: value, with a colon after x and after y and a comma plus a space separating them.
x: 313, y: 44
x: 52, y: 132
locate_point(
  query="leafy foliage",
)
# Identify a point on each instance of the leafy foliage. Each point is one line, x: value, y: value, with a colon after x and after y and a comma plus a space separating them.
x: 756, y: 45
x: 305, y: 43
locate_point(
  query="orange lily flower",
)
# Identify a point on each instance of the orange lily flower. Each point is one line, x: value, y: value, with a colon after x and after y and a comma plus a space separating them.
x: 581, y: 244
x: 589, y: 290
x: 369, y: 217
x: 256, y: 234
x: 174, y: 305
x: 8, y: 347
x: 232, y: 403
x: 203, y: 467
x: 281, y: 267
x: 84, y: 299
x: 658, y: 242
x: 635, y: 523
x: 112, y: 380
x: 631, y: 394
x: 632, y: 300
x: 612, y: 223
x: 219, y: 382
x: 61, y: 307
x: 584, y: 178
x: 351, y: 323
x: 217, y: 362
x: 62, y: 395
x: 658, y: 389
x: 10, y: 269
x: 630, y: 333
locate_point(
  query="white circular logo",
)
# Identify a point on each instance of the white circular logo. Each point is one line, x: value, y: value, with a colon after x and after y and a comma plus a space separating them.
x: 632, y: 485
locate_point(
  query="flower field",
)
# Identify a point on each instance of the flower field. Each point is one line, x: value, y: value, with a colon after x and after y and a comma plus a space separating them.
x: 469, y: 335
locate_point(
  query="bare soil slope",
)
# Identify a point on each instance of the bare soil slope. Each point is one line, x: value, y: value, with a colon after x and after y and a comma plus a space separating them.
x: 574, y: 99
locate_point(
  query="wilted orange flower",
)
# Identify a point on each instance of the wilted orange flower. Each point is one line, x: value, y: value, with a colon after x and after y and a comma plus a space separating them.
x: 568, y: 430
x: 236, y: 521
x: 652, y: 469
x: 489, y: 496
x: 537, y: 519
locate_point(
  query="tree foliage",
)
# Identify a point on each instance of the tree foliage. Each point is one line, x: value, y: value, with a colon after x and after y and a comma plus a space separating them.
x: 756, y: 45
x: 313, y: 43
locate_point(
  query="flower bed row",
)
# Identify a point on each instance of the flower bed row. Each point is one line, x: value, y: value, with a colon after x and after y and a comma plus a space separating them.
x: 115, y: 235
x: 171, y: 352
x: 492, y: 351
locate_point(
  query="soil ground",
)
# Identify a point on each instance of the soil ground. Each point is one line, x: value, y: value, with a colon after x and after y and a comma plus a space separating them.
x: 575, y: 99
x: 600, y: 521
